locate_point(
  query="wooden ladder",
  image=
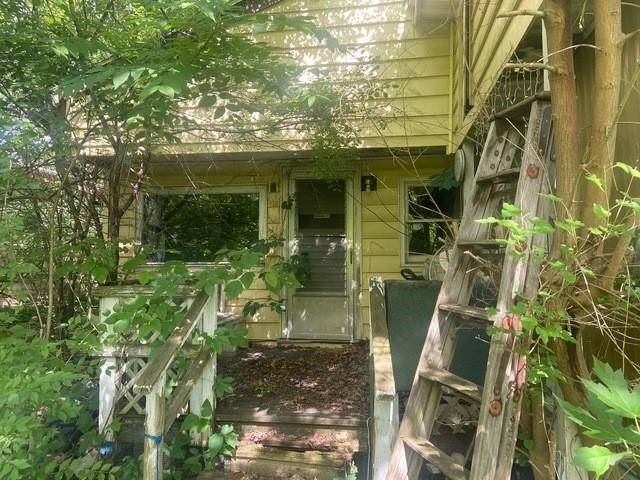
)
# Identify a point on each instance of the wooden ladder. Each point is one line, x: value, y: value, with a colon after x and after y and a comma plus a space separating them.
x: 510, y: 158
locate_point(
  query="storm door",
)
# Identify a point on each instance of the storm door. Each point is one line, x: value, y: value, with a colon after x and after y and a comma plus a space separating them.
x: 320, y: 239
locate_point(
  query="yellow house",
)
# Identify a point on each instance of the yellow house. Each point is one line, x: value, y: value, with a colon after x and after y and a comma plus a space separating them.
x: 442, y: 64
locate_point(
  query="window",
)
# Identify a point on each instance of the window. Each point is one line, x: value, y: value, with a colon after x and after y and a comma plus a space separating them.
x: 193, y: 226
x: 427, y: 214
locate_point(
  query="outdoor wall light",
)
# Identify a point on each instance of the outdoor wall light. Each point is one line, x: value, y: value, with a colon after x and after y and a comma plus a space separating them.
x: 368, y: 183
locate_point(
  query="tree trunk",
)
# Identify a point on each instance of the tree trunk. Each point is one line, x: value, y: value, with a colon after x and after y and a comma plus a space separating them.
x: 606, y: 89
x: 557, y: 18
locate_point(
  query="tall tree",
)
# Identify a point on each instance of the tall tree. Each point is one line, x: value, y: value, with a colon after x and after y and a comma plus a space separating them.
x: 97, y: 86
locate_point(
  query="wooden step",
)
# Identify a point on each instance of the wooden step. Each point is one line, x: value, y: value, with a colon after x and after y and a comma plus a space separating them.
x: 503, y: 176
x: 287, y: 464
x: 454, y: 382
x: 436, y: 457
x: 476, y: 245
x: 478, y: 315
x: 521, y: 108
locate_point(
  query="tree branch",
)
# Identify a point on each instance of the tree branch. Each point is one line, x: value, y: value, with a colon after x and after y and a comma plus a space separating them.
x: 628, y: 36
x: 517, y: 13
x: 532, y: 66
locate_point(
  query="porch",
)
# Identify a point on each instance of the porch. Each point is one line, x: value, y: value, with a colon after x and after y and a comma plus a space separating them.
x: 301, y: 410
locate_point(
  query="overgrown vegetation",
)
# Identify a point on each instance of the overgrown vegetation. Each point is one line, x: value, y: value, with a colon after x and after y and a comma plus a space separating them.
x: 89, y: 93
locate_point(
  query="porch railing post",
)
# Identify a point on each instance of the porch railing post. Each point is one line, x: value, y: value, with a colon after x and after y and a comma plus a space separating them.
x: 108, y: 387
x: 203, y: 388
x: 154, y: 430
x: 385, y: 397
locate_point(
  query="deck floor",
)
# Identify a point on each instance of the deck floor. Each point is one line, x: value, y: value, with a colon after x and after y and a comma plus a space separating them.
x: 296, y: 379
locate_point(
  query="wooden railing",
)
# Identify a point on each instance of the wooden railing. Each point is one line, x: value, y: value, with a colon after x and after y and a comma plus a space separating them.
x: 385, y: 397
x: 133, y: 380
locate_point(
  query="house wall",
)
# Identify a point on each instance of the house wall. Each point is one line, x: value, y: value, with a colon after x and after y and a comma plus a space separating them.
x: 382, y: 44
x: 377, y: 245
x: 381, y: 39
x: 491, y: 43
x: 381, y: 226
x: 380, y: 35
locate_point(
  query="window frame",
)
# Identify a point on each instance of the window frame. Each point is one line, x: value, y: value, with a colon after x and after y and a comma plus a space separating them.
x: 408, y: 259
x: 260, y: 189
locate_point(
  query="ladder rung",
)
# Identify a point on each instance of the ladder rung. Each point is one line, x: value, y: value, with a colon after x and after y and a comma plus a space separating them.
x: 523, y: 107
x: 437, y: 458
x: 454, y: 382
x: 489, y: 244
x: 466, y: 311
x: 503, y: 176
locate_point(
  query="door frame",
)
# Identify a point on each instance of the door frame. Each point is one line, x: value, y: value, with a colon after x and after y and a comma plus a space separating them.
x: 352, y: 232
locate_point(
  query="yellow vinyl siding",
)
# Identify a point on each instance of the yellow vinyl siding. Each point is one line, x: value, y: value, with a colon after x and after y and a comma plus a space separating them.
x: 458, y: 67
x: 492, y: 42
x: 379, y: 34
x: 381, y: 229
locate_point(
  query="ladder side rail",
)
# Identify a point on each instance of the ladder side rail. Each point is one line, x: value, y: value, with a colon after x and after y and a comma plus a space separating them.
x: 540, y: 157
x: 496, y: 433
x: 422, y: 403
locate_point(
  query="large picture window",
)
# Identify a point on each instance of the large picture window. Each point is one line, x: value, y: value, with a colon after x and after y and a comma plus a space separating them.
x: 427, y: 215
x: 193, y: 226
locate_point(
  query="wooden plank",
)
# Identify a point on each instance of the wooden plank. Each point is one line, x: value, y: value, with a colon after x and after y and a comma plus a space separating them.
x: 305, y: 437
x: 383, y: 381
x: 503, y: 176
x: 385, y: 401
x: 262, y: 417
x: 158, y: 365
x: 279, y: 463
x: 202, y: 390
x: 154, y: 430
x: 108, y: 375
x: 495, y: 441
x: 448, y: 379
x: 439, y: 347
x: 447, y: 465
x: 474, y: 245
x: 181, y: 394
x: 466, y: 311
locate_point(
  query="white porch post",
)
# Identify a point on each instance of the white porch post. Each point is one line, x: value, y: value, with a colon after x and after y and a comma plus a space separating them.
x: 203, y: 388
x: 154, y: 430
x: 108, y: 379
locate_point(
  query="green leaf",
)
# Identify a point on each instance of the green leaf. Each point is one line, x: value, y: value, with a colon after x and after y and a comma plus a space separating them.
x: 166, y: 90
x: 634, y: 172
x: 272, y: 280
x: 569, y: 277
x: 614, y: 391
x: 226, y: 429
x: 216, y: 441
x: 569, y: 225
x: 121, y: 325
x: 509, y: 210
x: 597, y: 459
x: 541, y: 226
x: 121, y: 78
x: 207, y: 409
x: 190, y: 421
x: 233, y: 289
x: 219, y: 112
x: 528, y: 322
x: 595, y: 180
x: 551, y: 196
x: 601, y: 212
x: 247, y: 279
